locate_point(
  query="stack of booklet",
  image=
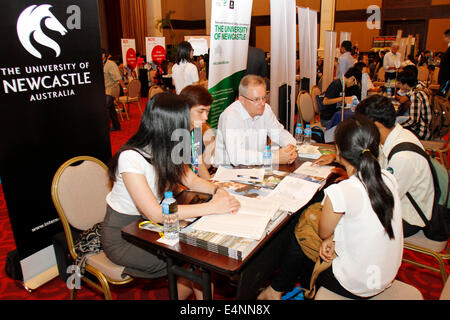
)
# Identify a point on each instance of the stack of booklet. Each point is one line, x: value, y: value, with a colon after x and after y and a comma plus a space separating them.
x: 265, y: 198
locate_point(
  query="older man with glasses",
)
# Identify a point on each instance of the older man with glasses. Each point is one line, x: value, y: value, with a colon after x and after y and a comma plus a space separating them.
x: 245, y: 125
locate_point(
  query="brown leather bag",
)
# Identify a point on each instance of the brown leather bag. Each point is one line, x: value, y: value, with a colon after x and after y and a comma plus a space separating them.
x: 307, y: 234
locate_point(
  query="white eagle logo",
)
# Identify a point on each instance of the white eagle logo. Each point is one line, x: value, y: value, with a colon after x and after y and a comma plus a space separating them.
x: 29, y: 25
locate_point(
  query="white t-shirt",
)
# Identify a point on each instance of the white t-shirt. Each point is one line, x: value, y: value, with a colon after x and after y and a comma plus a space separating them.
x: 367, y: 260
x: 133, y: 162
x: 183, y: 75
x: 412, y: 174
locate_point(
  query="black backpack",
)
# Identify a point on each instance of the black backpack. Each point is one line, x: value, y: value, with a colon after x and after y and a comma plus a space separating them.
x: 438, y: 227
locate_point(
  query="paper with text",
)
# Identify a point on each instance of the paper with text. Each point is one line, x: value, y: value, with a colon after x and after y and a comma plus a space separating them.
x: 293, y: 193
x: 313, y: 170
x: 229, y: 174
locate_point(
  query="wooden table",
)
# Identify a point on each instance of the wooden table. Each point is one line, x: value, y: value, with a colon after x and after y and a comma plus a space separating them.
x: 250, y: 274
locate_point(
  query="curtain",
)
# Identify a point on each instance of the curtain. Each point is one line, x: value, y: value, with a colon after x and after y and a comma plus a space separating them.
x: 134, y: 22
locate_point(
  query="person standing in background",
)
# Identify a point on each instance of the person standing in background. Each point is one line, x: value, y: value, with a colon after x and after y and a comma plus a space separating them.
x: 345, y: 60
x: 184, y: 72
x: 444, y: 66
x: 113, y: 78
x: 391, y: 62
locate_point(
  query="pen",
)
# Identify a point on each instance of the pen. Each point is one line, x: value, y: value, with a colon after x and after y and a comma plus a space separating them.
x: 248, y: 177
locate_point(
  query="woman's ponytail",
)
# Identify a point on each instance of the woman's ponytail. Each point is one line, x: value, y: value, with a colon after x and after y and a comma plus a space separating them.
x: 357, y: 139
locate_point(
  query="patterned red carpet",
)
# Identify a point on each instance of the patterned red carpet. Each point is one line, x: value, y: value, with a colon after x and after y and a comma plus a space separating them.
x: 428, y: 282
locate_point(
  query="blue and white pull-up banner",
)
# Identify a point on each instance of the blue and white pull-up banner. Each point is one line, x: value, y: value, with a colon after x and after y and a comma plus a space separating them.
x: 52, y: 106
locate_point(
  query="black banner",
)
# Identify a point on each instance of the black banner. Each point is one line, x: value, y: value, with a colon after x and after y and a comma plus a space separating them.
x: 52, y: 107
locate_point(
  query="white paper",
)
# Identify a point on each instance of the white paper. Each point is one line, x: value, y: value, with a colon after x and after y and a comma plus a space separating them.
x: 239, y: 225
x: 249, y: 175
x: 168, y: 242
x: 257, y: 207
x: 308, y: 151
x: 249, y: 222
x: 313, y: 170
x: 293, y: 193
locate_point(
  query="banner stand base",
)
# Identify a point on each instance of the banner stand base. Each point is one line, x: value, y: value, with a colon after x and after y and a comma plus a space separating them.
x: 42, y: 278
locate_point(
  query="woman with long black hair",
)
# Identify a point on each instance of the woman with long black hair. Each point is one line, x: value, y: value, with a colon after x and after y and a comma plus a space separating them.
x: 360, y: 222
x: 184, y: 72
x: 141, y: 171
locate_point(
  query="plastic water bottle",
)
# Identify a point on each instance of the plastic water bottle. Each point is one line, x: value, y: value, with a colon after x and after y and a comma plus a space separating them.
x: 355, y: 103
x: 308, y: 133
x: 170, y: 215
x: 267, y: 159
x: 299, y: 134
x: 389, y: 91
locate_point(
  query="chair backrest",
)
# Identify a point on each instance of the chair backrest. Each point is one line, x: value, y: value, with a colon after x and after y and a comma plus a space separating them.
x: 305, y: 106
x: 151, y: 76
x: 154, y: 90
x: 202, y: 75
x: 134, y: 88
x: 422, y: 73
x: 204, y: 84
x: 115, y: 92
x: 79, y: 190
x: 381, y: 75
x: 435, y: 75
x: 445, y: 294
x: 315, y: 91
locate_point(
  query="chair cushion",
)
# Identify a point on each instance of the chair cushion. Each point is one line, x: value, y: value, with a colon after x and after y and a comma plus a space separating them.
x: 445, y: 294
x: 397, y: 291
x: 109, y: 269
x: 420, y: 240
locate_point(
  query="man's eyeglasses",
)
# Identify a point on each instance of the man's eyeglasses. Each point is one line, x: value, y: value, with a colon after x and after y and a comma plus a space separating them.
x: 256, y: 100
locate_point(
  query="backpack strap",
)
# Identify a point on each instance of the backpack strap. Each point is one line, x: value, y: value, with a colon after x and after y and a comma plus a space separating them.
x: 409, y: 146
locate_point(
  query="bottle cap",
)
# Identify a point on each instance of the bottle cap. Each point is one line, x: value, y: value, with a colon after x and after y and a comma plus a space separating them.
x: 168, y: 194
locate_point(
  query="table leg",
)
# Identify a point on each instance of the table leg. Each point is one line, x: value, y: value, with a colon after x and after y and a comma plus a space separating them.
x: 171, y: 275
x: 174, y: 270
x: 206, y: 285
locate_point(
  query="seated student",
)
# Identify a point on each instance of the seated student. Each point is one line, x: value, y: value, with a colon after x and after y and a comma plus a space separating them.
x: 333, y: 95
x: 200, y: 101
x: 360, y: 222
x: 141, y: 171
x: 361, y: 65
x: 410, y: 170
x: 420, y: 112
x: 245, y: 125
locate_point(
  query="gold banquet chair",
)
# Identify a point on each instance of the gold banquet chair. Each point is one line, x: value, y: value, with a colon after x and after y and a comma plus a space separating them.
x: 154, y: 90
x: 439, y: 250
x: 79, y: 190
x: 133, y: 95
x: 306, y: 110
x: 116, y: 93
x: 315, y: 91
x: 439, y: 150
x: 397, y: 291
x: 445, y: 293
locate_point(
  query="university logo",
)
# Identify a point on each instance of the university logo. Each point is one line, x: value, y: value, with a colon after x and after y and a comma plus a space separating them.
x: 29, y: 25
